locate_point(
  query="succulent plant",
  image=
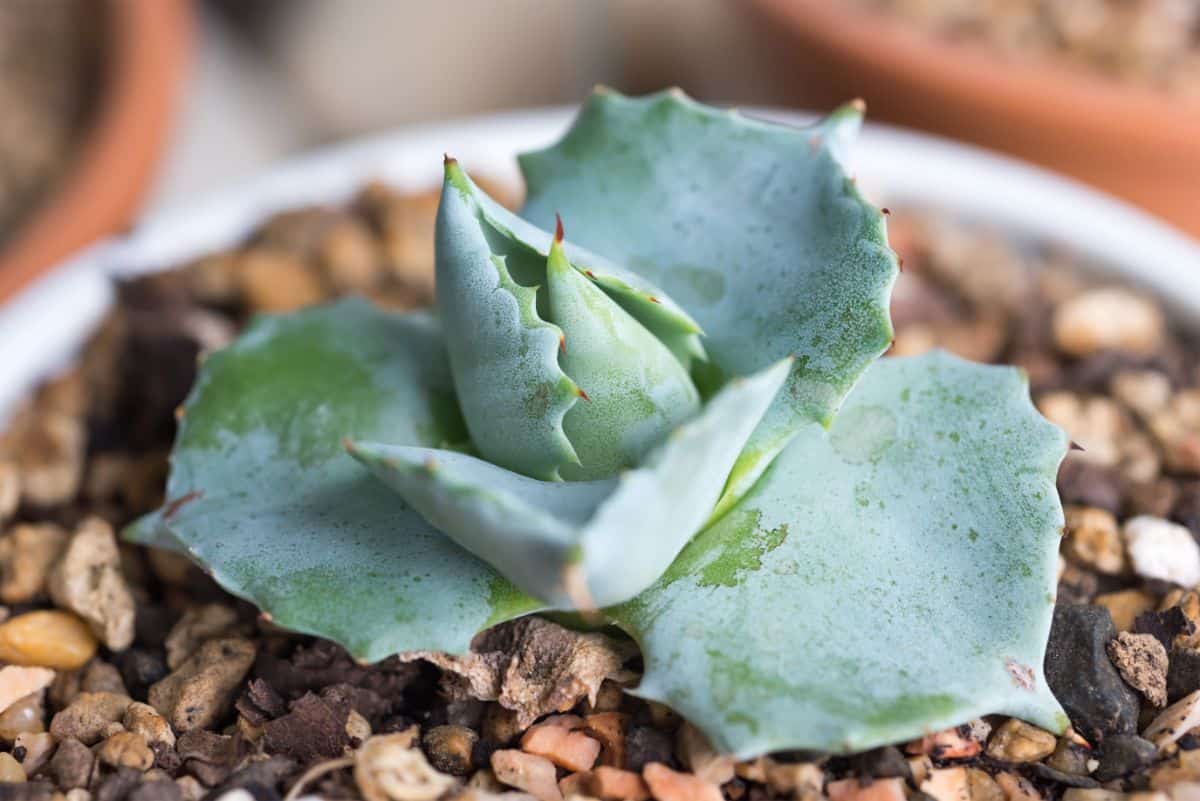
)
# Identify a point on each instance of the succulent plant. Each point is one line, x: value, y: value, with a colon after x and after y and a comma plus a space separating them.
x: 628, y: 401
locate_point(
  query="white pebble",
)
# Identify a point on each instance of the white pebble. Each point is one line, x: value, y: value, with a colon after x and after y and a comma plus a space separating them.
x: 1163, y: 550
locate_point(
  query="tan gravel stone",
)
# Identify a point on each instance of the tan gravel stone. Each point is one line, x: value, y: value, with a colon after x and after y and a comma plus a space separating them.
x: 1108, y: 319
x: 88, y: 581
x: 1094, y: 539
x: 201, y: 690
x: 126, y: 750
x: 27, y: 552
x: 1142, y: 662
x: 89, y: 716
x: 1018, y: 741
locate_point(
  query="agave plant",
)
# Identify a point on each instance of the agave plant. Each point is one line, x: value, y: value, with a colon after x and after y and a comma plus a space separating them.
x: 636, y: 397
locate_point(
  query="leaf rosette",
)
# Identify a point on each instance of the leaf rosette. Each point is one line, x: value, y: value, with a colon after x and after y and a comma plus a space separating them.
x: 627, y: 400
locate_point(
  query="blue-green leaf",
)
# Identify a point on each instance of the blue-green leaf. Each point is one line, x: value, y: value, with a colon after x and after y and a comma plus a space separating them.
x: 753, y: 227
x: 888, y: 577
x: 636, y: 391
x: 264, y: 496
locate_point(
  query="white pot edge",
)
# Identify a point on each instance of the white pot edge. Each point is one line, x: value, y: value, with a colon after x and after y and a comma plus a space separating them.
x: 44, y: 325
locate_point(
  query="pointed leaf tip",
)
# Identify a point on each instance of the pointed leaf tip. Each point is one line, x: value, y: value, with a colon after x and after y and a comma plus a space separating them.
x: 558, y: 229
x: 859, y: 105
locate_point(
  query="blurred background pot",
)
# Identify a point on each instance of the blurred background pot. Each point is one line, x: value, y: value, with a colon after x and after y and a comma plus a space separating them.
x: 140, y: 47
x: 1137, y: 142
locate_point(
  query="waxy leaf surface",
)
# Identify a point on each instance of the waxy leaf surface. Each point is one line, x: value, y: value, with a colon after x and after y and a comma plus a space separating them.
x: 888, y: 577
x: 263, y: 494
x: 617, y: 535
x: 753, y: 228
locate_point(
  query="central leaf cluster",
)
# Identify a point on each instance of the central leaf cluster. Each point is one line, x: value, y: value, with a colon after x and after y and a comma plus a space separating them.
x: 558, y: 370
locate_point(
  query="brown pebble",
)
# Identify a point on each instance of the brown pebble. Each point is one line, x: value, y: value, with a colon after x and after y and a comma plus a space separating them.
x: 501, y: 726
x: 101, y: 677
x: 670, y: 785
x: 126, y: 750
x: 612, y: 784
x: 1125, y: 606
x: 1142, y: 662
x: 11, y: 771
x: 609, y: 729
x: 46, y: 638
x: 450, y: 748
x: 36, y: 748
x: 24, y: 716
x: 88, y: 581
x: 1018, y: 741
x: 533, y: 774
x: 201, y: 690
x: 71, y: 765
x: 88, y: 716
x: 144, y: 720
x: 1094, y: 539
x: 27, y: 553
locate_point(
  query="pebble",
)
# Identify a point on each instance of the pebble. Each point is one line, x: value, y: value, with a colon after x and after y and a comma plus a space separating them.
x: 36, y: 747
x: 960, y: 742
x: 612, y: 784
x: 1107, y: 319
x: 50, y: 450
x: 450, y: 748
x: 89, y: 716
x: 47, y: 638
x: 644, y: 744
x: 609, y: 729
x: 101, y: 677
x: 126, y: 750
x: 982, y: 787
x: 670, y: 785
x: 1142, y: 662
x: 1124, y: 606
x: 1177, y: 429
x: 388, y: 768
x: 1160, y: 549
x: 1183, y: 673
x: 88, y: 581
x: 529, y: 772
x: 1094, y: 539
x: 569, y: 749
x: 947, y: 784
x: 1017, y: 741
x: 1080, y: 675
x: 1016, y: 788
x: 18, y: 682
x: 698, y: 755
x: 1096, y: 424
x: 1123, y: 754
x: 198, y: 693
x: 1174, y: 721
x: 71, y: 765
x: 26, y: 716
x: 274, y: 281
x: 27, y: 553
x: 876, y: 790
x: 11, y: 771
x: 198, y: 625
x: 1144, y: 392
x: 1182, y: 769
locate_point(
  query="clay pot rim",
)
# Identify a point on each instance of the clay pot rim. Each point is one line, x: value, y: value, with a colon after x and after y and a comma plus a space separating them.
x: 44, y: 325
x: 1064, y: 95
x: 145, y: 49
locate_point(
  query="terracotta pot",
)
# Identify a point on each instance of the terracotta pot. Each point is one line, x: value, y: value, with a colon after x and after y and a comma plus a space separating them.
x: 1133, y: 141
x: 143, y: 51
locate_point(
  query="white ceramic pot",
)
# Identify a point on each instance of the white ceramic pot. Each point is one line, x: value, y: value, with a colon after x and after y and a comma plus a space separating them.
x: 44, y: 325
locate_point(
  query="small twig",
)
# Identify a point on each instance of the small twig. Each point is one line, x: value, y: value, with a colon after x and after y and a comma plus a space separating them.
x: 316, y: 772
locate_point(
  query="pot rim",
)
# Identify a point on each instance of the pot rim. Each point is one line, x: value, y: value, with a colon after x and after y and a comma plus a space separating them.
x: 44, y: 325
